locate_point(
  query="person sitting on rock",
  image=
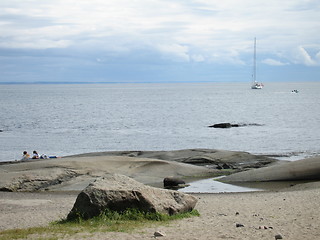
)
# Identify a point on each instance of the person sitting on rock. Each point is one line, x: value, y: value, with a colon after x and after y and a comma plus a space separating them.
x: 35, y: 155
x: 25, y: 155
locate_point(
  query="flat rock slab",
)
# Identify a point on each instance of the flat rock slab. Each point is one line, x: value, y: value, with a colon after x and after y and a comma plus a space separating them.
x: 306, y: 169
x: 75, y: 173
x: 198, y: 156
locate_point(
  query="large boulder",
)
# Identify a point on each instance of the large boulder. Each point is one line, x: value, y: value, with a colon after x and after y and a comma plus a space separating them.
x: 118, y: 193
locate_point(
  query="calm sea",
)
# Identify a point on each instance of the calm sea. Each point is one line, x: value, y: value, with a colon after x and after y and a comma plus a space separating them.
x: 64, y: 119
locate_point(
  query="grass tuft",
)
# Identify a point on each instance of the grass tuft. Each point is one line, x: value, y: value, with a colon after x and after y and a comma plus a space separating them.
x: 109, y: 221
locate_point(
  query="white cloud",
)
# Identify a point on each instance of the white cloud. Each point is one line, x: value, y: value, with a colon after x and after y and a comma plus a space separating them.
x: 198, y: 58
x: 36, y: 44
x: 175, y: 51
x: 318, y: 56
x: 193, y: 30
x: 303, y: 57
x: 273, y: 62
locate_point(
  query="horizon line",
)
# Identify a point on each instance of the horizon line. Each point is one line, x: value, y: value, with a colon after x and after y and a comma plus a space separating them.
x: 119, y: 82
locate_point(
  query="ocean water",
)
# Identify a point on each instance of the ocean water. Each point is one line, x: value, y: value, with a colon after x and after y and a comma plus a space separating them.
x: 65, y: 119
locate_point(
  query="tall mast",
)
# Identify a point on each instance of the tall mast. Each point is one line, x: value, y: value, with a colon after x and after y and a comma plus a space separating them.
x: 254, y: 61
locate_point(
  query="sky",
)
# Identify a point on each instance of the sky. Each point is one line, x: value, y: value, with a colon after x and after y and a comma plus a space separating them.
x: 158, y: 40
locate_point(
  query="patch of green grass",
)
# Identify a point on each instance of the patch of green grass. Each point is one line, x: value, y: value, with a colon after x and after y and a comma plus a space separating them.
x: 110, y: 221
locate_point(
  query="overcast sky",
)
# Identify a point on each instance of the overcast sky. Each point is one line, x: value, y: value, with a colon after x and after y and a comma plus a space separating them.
x: 158, y: 40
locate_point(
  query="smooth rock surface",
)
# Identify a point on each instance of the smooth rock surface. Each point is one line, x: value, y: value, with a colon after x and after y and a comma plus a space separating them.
x: 74, y: 173
x: 305, y: 169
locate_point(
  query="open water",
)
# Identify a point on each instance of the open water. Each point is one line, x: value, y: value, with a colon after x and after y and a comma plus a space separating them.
x: 65, y: 119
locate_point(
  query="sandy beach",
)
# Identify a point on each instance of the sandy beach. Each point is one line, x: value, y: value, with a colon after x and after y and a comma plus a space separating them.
x: 291, y: 212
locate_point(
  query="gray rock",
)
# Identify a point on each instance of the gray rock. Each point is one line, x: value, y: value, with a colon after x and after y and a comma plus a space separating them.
x: 221, y: 125
x: 278, y: 236
x: 305, y: 169
x: 38, y: 181
x: 200, y: 157
x: 170, y: 183
x: 239, y: 225
x: 159, y: 234
x: 229, y: 125
x: 119, y: 193
x: 224, y: 166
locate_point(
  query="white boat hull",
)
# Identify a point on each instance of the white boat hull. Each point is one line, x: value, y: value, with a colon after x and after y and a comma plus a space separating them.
x: 256, y: 87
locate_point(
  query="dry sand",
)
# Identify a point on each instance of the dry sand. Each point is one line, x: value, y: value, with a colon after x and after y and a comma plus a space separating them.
x: 293, y: 213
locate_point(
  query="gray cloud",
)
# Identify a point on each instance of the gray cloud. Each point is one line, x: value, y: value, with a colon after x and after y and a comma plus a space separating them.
x: 148, y: 36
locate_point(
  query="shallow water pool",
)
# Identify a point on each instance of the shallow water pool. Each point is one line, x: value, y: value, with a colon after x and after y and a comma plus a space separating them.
x: 211, y: 185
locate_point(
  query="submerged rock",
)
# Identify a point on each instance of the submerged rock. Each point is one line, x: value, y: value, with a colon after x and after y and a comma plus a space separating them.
x: 222, y: 125
x: 229, y: 125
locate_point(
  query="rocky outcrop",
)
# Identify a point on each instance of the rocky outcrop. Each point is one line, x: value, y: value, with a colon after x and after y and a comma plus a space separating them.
x: 74, y: 174
x: 38, y: 181
x: 118, y: 193
x: 306, y: 169
x: 210, y: 158
x: 148, y: 167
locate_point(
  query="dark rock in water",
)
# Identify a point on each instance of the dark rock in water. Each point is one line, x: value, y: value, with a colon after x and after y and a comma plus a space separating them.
x: 119, y: 193
x: 251, y: 124
x: 229, y: 125
x: 173, y: 183
x: 1, y: 130
x: 222, y: 125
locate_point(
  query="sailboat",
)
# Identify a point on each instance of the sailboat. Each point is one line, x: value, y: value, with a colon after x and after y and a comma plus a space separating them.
x: 255, y: 84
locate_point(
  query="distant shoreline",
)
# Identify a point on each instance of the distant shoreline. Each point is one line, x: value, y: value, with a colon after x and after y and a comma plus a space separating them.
x: 133, y: 82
